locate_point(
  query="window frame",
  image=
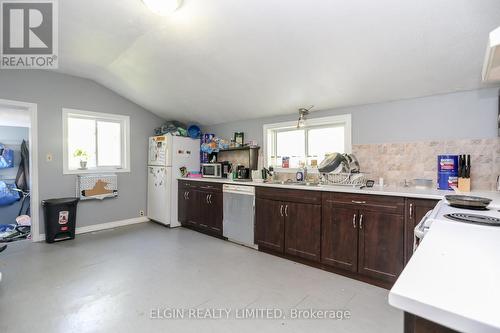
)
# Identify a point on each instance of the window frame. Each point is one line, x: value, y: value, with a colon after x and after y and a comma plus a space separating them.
x: 124, y: 121
x: 312, y: 123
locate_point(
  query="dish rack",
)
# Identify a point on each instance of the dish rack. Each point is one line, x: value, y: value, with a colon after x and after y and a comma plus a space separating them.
x: 344, y: 179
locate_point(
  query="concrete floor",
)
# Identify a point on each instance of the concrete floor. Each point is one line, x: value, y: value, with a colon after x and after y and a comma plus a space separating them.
x: 111, y: 281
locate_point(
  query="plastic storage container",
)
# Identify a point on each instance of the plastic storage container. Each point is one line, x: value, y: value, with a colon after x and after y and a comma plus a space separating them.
x: 60, y: 219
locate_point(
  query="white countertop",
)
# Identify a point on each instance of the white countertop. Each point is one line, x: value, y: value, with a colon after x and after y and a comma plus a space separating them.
x: 453, y: 278
x: 408, y: 192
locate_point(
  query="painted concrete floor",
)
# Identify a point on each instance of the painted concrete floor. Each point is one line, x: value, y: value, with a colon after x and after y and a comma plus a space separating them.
x: 111, y: 281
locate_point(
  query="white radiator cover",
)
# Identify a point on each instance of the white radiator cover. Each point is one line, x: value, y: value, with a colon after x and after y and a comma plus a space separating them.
x: 88, y: 182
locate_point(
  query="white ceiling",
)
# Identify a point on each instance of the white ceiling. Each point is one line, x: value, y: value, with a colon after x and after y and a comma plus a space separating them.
x: 224, y: 60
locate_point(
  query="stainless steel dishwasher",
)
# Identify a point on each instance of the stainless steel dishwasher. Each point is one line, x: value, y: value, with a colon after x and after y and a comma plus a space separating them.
x: 239, y: 214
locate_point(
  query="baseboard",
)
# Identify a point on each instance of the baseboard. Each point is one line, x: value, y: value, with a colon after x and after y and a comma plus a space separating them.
x: 103, y: 226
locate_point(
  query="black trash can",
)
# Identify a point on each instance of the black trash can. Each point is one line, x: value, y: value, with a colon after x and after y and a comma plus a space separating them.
x: 60, y: 219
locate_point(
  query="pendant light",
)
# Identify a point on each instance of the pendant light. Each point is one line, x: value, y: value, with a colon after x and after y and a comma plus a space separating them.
x: 303, y: 112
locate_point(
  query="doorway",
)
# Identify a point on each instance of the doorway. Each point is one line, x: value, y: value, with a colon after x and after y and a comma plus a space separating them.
x: 19, y: 207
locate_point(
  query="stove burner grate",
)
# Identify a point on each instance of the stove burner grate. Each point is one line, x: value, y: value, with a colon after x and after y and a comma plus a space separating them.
x: 474, y: 218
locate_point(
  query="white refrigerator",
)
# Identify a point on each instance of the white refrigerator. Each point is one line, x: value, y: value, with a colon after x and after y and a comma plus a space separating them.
x: 167, y: 154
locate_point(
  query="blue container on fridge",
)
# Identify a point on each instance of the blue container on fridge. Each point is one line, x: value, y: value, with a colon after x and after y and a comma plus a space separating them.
x: 447, y: 172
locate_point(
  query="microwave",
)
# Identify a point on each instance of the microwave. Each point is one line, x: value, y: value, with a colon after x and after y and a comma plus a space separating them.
x: 211, y: 170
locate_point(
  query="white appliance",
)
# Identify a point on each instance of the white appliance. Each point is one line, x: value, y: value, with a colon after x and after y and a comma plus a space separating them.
x: 439, y: 215
x: 491, y: 66
x: 211, y: 170
x: 167, y: 154
x: 239, y: 214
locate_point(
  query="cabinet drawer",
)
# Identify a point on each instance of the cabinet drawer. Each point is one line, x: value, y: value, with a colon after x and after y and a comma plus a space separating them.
x: 290, y: 195
x: 210, y: 187
x: 187, y: 184
x: 367, y: 202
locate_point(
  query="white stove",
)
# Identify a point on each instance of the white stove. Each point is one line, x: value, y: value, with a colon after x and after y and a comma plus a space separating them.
x: 443, y: 212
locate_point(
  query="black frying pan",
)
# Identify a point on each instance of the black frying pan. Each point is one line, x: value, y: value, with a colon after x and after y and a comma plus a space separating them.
x: 467, y: 201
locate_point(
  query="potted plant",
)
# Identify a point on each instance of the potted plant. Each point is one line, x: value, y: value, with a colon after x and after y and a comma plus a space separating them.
x: 83, y: 156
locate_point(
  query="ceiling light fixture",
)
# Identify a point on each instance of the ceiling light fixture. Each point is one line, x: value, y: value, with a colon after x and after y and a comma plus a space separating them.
x: 303, y: 112
x: 163, y: 7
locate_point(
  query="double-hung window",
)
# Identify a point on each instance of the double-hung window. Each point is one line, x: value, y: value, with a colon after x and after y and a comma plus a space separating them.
x: 95, y: 142
x: 308, y: 145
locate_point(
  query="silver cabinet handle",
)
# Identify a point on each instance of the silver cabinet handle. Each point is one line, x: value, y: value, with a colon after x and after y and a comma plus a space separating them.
x: 281, y: 210
x: 361, y: 221
x: 187, y: 195
x: 411, y: 211
x: 206, y: 198
x: 286, y: 210
x: 358, y: 202
x: 210, y: 199
x: 354, y: 221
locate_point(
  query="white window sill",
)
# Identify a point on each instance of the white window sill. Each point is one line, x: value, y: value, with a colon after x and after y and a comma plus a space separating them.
x: 94, y: 171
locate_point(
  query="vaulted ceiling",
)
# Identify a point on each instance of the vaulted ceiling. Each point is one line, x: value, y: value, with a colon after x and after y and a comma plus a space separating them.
x: 223, y: 60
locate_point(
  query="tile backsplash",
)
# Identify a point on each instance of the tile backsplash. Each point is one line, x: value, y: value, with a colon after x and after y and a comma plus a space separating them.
x: 396, y: 162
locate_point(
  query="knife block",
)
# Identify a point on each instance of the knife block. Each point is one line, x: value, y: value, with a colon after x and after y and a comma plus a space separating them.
x: 464, y: 184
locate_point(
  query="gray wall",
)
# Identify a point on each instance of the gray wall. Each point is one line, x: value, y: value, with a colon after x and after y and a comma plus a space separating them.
x: 11, y: 137
x: 53, y: 91
x: 462, y: 115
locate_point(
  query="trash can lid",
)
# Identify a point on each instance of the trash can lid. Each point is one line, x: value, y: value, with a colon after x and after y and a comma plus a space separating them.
x: 60, y: 201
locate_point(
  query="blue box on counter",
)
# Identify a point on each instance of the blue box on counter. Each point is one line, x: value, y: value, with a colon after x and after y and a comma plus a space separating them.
x: 447, y: 170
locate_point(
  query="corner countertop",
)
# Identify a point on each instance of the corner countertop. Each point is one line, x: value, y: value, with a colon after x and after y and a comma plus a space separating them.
x: 453, y: 278
x: 407, y: 192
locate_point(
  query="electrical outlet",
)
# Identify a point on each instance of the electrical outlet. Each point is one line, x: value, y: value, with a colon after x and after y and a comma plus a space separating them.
x: 141, y: 213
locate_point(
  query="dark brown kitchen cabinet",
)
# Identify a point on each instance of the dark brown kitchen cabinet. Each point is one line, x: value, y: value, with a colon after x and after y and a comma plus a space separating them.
x: 188, y: 206
x: 211, y: 211
x: 288, y: 222
x: 381, y: 244
x: 363, y: 234
x: 339, y: 237
x: 200, y: 206
x: 303, y: 230
x: 414, y: 212
x: 269, y: 224
x: 415, y: 324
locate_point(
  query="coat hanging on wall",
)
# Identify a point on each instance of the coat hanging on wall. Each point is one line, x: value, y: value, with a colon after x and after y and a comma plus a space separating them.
x: 22, y: 178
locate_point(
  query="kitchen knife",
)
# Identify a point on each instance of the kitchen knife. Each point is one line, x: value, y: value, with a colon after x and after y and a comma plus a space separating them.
x: 467, y: 175
x: 461, y: 166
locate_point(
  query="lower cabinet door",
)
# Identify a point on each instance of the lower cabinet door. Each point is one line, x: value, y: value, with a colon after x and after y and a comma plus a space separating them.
x: 188, y: 207
x: 204, y: 219
x: 269, y: 224
x: 303, y: 230
x: 339, y: 236
x: 213, y: 213
x: 182, y: 205
x: 381, y: 245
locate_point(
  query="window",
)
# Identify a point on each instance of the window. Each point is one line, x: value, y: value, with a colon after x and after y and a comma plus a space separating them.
x: 306, y: 146
x: 95, y: 142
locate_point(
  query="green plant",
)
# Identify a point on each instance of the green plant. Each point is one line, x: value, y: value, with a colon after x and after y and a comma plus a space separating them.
x: 81, y: 154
